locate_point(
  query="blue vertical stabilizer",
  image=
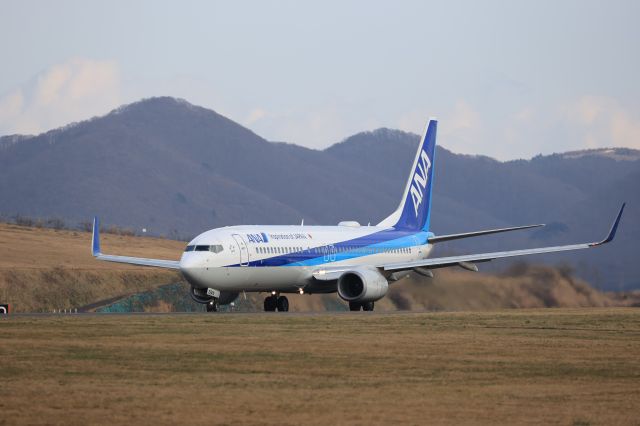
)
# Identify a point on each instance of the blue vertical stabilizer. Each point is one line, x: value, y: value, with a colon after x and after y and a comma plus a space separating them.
x: 414, y: 211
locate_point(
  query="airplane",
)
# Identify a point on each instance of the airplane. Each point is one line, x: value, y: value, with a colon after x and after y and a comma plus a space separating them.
x: 358, y: 262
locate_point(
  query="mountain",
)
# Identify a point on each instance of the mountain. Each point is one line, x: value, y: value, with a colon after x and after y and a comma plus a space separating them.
x: 167, y: 165
x: 172, y: 167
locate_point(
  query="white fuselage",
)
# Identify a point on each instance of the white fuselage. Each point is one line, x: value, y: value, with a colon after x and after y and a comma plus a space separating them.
x: 283, y: 258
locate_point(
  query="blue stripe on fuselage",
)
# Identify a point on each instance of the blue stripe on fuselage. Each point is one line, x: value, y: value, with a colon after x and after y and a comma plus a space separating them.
x: 344, y: 250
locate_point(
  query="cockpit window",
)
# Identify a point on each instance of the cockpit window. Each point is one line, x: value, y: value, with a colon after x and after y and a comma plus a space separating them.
x: 216, y: 248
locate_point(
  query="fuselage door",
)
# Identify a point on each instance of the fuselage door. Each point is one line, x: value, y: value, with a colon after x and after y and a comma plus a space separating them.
x: 242, y: 247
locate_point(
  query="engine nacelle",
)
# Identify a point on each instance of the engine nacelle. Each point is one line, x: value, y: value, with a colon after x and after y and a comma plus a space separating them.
x: 200, y: 295
x: 362, y: 285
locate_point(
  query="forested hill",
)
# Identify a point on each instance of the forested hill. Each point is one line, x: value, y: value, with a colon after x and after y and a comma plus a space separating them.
x: 175, y: 168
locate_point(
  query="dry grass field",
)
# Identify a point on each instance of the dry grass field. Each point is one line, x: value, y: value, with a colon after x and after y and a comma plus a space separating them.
x: 46, y: 269
x: 547, y: 366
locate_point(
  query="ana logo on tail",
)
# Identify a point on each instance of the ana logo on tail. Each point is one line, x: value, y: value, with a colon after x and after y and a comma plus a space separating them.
x: 420, y: 180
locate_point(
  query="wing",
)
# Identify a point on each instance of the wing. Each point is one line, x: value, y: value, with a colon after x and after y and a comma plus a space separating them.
x: 466, y: 261
x: 95, y: 250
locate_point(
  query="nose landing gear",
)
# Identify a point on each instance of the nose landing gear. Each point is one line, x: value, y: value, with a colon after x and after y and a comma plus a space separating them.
x: 212, y: 306
x: 276, y: 302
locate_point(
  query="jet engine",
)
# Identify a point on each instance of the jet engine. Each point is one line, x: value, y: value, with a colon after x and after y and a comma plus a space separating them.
x: 200, y: 295
x: 362, y: 285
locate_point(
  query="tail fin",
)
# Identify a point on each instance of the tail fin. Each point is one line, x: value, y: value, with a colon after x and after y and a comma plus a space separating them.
x: 95, y: 237
x: 414, y: 211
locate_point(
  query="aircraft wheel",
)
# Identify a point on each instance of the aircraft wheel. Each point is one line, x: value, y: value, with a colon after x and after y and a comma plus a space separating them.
x: 283, y: 304
x: 367, y: 306
x: 212, y: 306
x: 354, y: 306
x: 270, y: 304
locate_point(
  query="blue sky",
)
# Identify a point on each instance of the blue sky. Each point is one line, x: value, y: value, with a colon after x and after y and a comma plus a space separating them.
x: 508, y: 79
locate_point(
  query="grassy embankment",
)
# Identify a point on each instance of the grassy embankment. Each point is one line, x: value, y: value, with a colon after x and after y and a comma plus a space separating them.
x: 551, y: 366
x: 44, y: 269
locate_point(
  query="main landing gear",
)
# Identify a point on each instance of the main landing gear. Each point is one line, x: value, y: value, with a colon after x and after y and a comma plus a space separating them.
x: 366, y: 306
x: 273, y: 302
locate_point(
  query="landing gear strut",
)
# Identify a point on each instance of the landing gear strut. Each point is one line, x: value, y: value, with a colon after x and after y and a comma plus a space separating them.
x: 271, y: 303
x: 366, y: 306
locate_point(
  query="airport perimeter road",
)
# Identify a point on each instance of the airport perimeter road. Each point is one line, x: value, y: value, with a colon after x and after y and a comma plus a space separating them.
x: 553, y: 366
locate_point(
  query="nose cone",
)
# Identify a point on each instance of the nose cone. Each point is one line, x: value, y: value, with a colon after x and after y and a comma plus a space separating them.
x: 193, y: 269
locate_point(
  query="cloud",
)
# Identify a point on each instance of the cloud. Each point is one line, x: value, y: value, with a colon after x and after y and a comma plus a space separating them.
x: 601, y: 121
x: 463, y: 129
x: 71, y: 91
x: 315, y: 127
x: 459, y: 126
x: 519, y: 127
x: 255, y: 115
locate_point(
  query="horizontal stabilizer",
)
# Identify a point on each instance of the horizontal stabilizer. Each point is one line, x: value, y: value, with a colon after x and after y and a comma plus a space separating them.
x: 442, y: 238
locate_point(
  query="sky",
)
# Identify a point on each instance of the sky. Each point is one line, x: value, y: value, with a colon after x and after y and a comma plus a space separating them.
x: 507, y: 79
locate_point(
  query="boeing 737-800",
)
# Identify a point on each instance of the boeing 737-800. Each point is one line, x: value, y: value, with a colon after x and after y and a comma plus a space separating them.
x: 357, y: 262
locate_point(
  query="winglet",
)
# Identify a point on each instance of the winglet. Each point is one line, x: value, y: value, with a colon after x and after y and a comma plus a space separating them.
x: 612, y: 232
x: 95, y: 237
